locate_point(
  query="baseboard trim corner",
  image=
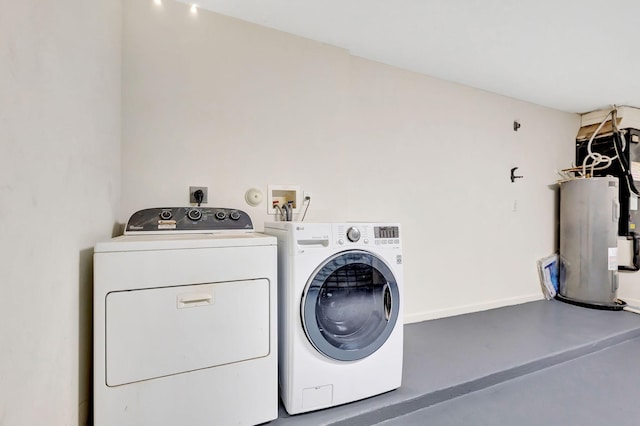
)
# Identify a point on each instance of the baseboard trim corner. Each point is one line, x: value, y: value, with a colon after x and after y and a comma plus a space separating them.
x: 467, y: 309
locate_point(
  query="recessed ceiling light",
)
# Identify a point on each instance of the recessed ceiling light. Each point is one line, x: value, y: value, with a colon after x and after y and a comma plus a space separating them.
x: 194, y: 8
x: 158, y: 2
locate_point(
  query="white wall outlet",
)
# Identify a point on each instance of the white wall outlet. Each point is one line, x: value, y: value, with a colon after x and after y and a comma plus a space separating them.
x: 281, y: 195
x: 205, y: 193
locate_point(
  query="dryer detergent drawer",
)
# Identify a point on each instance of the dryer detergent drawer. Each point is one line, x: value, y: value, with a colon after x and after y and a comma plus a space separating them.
x: 157, y: 332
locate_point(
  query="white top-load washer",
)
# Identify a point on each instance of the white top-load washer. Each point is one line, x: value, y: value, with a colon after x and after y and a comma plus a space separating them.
x: 340, y: 312
x: 185, y: 329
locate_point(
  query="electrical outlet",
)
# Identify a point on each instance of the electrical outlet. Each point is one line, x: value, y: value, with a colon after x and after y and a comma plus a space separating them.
x: 193, y: 189
x: 306, y: 195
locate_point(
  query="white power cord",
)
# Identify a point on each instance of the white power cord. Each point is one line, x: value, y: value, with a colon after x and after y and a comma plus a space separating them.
x: 597, y: 157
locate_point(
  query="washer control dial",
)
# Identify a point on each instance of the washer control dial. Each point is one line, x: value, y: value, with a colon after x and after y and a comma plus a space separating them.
x: 165, y: 215
x: 235, y: 215
x: 220, y: 215
x: 194, y: 214
x: 353, y: 234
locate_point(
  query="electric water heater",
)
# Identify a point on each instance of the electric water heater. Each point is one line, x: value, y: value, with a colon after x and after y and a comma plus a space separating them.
x: 589, y: 212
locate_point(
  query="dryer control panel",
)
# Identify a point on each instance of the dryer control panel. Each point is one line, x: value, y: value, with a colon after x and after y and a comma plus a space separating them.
x: 167, y: 220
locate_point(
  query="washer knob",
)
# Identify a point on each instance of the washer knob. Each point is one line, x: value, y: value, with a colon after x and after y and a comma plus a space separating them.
x: 220, y: 215
x: 165, y: 215
x: 353, y: 234
x: 235, y: 215
x: 194, y: 214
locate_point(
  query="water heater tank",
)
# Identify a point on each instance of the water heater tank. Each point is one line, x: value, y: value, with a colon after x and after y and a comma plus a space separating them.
x: 589, y: 212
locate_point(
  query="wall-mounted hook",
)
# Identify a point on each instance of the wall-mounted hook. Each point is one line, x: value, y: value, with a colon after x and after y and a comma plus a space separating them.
x: 513, y: 175
x: 516, y: 125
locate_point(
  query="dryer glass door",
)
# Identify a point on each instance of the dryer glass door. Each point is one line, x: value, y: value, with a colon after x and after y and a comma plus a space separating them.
x: 350, y: 305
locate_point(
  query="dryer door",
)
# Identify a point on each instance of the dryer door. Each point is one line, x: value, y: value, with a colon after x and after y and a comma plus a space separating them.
x: 350, y: 305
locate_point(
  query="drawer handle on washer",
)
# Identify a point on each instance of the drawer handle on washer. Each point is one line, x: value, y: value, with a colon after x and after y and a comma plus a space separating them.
x: 191, y: 300
x: 313, y: 243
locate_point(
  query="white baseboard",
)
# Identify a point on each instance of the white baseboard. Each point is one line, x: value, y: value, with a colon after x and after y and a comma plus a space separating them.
x: 631, y: 302
x: 467, y: 309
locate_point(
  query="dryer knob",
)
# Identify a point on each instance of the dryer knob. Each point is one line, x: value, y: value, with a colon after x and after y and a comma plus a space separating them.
x: 353, y: 234
x: 194, y: 214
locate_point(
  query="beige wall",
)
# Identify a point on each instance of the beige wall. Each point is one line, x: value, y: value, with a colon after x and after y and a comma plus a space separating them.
x: 209, y: 100
x: 60, y: 135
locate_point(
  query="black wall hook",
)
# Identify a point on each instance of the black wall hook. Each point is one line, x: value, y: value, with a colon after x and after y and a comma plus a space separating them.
x: 516, y: 125
x: 513, y: 175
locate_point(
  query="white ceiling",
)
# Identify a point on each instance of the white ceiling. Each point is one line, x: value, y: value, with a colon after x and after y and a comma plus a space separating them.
x: 571, y: 55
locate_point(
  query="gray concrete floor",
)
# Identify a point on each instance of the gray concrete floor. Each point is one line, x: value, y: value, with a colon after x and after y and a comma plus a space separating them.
x: 601, y: 388
x: 543, y: 362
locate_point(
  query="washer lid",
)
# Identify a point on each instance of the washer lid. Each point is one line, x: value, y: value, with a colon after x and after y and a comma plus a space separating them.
x: 350, y: 305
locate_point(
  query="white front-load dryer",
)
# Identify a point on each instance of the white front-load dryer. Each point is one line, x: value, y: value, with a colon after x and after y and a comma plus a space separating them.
x: 340, y: 312
x: 185, y: 329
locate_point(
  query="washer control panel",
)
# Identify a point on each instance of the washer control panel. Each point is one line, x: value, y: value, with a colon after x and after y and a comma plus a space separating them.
x: 351, y: 234
x: 386, y: 235
x: 188, y: 219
